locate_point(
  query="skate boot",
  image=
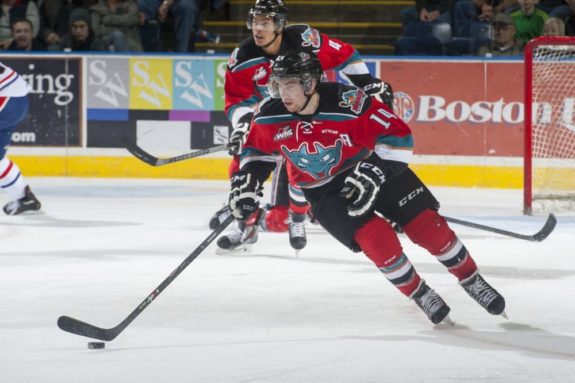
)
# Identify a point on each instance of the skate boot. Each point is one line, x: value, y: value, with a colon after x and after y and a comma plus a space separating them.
x: 219, y: 217
x: 484, y: 294
x: 431, y: 304
x: 297, y: 238
x: 26, y: 203
x: 241, y: 237
x: 246, y: 234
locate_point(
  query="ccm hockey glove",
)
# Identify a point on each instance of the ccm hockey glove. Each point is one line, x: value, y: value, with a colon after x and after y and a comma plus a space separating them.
x: 380, y: 90
x: 361, y: 188
x: 244, y: 196
x: 238, y: 136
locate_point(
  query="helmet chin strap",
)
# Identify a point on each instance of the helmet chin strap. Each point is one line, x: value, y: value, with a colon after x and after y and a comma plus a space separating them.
x: 273, y: 40
x: 307, y: 100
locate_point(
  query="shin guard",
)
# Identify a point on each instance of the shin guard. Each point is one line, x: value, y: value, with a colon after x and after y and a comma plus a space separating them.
x: 430, y: 231
x: 380, y: 243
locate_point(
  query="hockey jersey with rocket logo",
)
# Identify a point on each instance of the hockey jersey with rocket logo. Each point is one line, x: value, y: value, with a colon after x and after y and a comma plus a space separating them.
x: 346, y: 128
x: 249, y: 66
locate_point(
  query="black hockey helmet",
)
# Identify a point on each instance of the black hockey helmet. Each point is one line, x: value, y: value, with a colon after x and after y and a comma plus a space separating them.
x: 275, y: 9
x: 299, y: 64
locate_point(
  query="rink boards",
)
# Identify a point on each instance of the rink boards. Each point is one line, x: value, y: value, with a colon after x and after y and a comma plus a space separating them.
x: 466, y: 115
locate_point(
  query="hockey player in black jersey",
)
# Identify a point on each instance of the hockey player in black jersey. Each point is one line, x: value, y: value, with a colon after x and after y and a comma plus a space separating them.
x: 246, y: 85
x: 350, y: 154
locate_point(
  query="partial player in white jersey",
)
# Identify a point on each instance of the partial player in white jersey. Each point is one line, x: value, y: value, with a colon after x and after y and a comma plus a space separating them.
x: 13, y: 109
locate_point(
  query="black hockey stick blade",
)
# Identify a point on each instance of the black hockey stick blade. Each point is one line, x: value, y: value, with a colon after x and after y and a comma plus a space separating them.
x: 78, y: 327
x: 537, y: 237
x: 146, y: 157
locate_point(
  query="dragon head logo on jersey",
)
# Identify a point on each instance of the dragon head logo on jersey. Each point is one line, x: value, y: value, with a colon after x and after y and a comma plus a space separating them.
x: 311, y: 38
x: 318, y: 164
x: 353, y: 99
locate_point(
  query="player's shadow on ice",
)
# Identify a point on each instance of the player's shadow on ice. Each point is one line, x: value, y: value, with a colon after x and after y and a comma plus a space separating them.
x: 523, y: 338
x: 431, y: 267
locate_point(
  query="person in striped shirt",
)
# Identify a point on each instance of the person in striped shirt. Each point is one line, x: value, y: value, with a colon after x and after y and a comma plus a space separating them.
x: 13, y: 109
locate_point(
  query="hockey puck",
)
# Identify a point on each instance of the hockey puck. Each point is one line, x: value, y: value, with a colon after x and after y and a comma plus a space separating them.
x: 96, y: 345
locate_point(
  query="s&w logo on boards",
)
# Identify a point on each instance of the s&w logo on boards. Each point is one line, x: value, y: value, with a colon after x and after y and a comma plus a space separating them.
x: 108, y: 83
x: 151, y: 84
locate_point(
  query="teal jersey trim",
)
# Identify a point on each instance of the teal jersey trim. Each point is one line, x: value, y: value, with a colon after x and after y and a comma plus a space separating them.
x: 249, y: 64
x: 396, y: 142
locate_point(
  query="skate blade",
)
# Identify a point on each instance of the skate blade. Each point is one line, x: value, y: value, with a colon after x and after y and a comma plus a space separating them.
x: 28, y: 213
x: 244, y: 249
x: 448, y: 320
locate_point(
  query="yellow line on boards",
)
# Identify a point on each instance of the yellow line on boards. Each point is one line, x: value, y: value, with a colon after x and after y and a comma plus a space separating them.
x: 506, y: 177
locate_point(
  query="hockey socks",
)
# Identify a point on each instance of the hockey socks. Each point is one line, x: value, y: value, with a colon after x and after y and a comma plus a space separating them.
x: 430, y: 231
x: 11, y: 179
x: 379, y: 242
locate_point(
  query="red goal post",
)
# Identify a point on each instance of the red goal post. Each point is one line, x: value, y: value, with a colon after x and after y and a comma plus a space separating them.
x: 549, y: 153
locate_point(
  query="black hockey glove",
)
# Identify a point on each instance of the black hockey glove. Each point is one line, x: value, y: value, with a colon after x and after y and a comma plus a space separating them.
x: 238, y: 136
x: 380, y: 90
x: 361, y: 188
x: 244, y: 196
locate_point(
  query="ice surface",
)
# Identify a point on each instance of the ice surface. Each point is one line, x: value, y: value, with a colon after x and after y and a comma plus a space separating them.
x: 268, y: 316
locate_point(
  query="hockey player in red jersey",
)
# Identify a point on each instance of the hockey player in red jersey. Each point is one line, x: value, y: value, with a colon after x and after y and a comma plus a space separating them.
x: 13, y: 109
x: 350, y: 155
x: 246, y: 85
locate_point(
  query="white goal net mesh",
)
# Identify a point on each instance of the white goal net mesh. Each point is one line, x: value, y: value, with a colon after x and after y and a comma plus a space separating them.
x: 553, y: 128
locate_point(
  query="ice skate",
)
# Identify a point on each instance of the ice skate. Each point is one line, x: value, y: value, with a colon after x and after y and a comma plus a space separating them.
x: 239, y: 240
x: 297, y: 237
x: 432, y: 304
x: 484, y: 294
x: 27, y: 203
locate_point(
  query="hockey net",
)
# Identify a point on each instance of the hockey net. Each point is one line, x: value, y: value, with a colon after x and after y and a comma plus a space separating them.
x: 549, y: 154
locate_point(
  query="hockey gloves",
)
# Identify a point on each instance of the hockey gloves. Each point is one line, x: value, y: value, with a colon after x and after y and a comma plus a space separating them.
x: 361, y: 188
x: 381, y: 91
x: 244, y: 196
x: 239, y: 134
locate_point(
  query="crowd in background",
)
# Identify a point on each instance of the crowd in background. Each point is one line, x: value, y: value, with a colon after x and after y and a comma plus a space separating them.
x: 431, y: 27
x: 106, y: 25
x: 482, y: 27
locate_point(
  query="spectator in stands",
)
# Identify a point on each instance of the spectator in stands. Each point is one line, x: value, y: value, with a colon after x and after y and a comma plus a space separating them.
x: 503, y: 43
x: 427, y: 11
x: 466, y: 12
x: 528, y: 21
x: 570, y: 20
x: 54, y: 20
x: 554, y: 27
x: 81, y: 36
x: 219, y: 9
x: 22, y: 37
x: 553, y: 8
x: 184, y: 12
x: 117, y: 23
x: 13, y: 10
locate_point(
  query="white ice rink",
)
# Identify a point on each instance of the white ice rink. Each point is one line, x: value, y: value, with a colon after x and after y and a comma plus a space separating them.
x: 268, y: 316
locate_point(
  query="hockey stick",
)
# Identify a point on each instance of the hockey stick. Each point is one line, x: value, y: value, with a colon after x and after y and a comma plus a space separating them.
x: 155, y: 161
x: 537, y: 237
x: 78, y: 327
